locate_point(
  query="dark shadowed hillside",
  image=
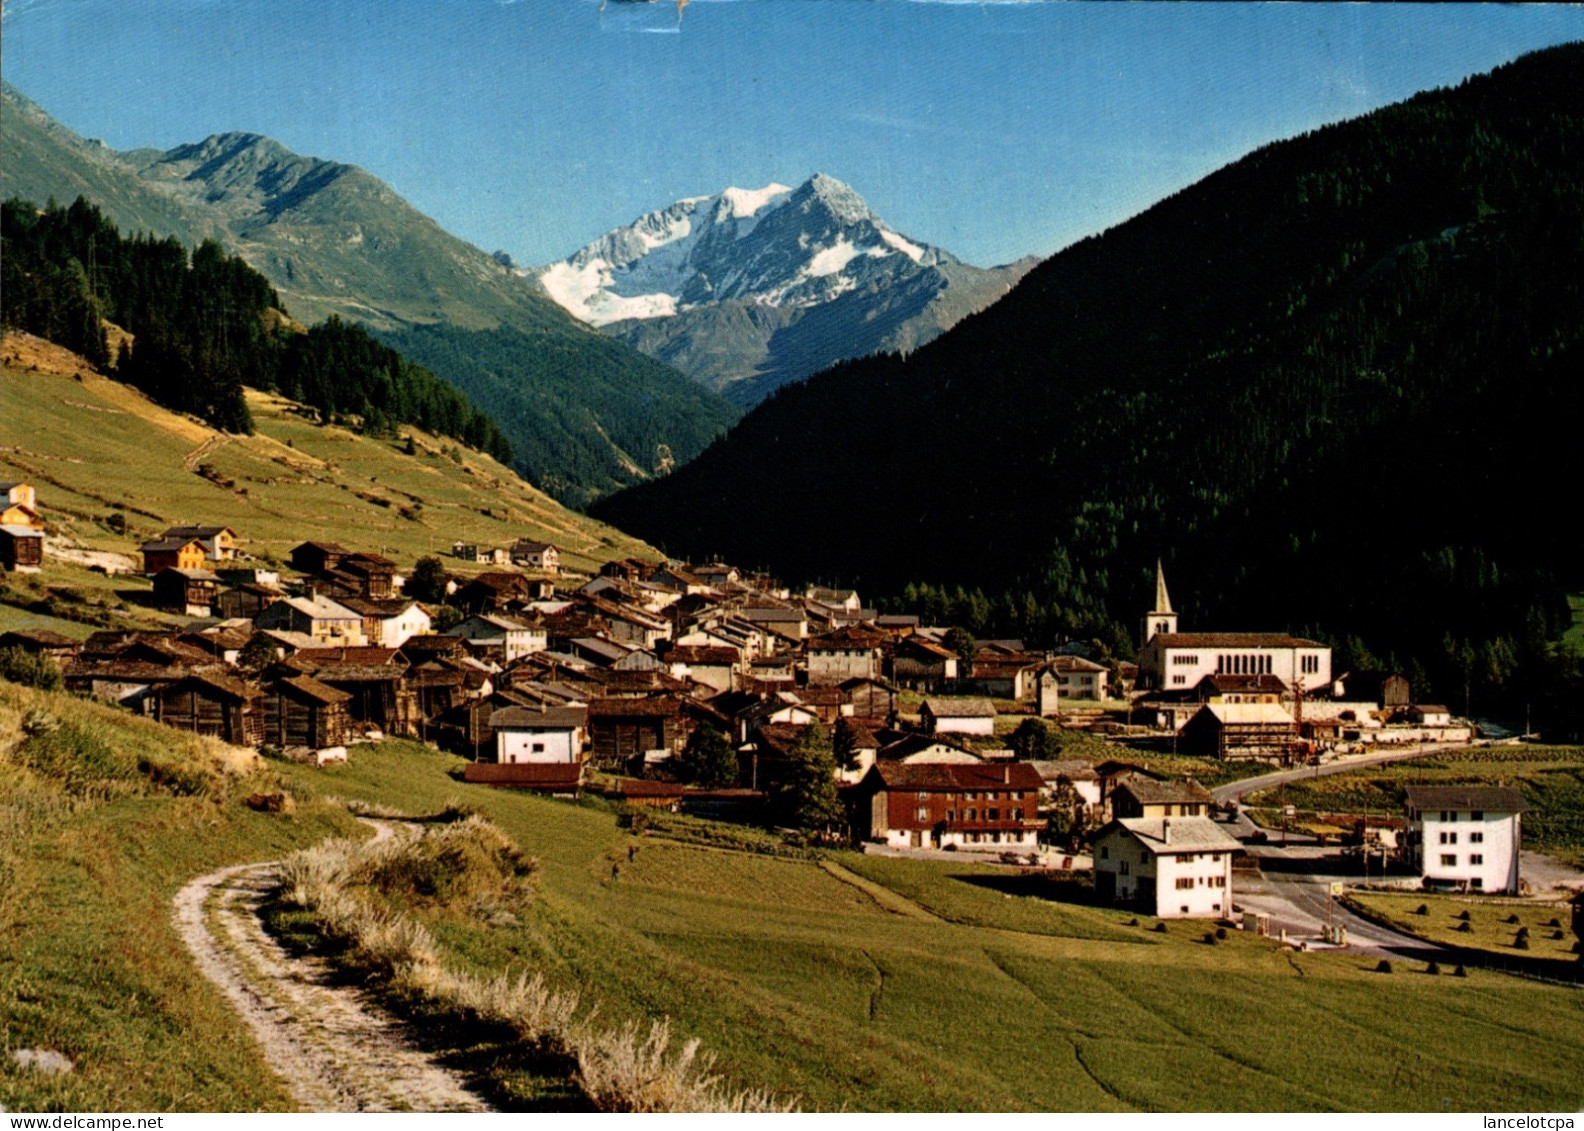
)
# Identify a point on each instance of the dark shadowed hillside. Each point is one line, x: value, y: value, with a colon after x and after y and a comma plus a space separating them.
x: 1333, y: 383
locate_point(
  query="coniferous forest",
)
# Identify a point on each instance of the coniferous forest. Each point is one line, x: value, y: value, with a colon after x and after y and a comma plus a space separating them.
x: 1333, y: 385
x: 204, y: 325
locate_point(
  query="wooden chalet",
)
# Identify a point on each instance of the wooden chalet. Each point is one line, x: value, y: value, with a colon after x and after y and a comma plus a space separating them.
x: 172, y: 553
x: 299, y: 710
x: 623, y: 731
x: 21, y: 548
x: 42, y: 642
x: 318, y: 557
x: 220, y: 543
x: 214, y: 704
x: 966, y: 806
x: 247, y: 599
x: 189, y: 592
x: 493, y: 593
x: 19, y: 505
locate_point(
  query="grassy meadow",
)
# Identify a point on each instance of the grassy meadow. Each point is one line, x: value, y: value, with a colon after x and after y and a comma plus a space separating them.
x: 290, y: 481
x: 944, y: 986
x: 1551, y: 779
x: 851, y: 982
x: 1479, y: 924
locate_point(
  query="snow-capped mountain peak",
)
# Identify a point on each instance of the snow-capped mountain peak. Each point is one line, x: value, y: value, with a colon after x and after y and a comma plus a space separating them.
x: 776, y: 246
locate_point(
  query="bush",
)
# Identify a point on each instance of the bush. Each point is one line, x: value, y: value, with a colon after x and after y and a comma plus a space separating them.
x: 1423, y: 909
x: 1463, y: 915
x: 24, y: 667
x: 1384, y: 966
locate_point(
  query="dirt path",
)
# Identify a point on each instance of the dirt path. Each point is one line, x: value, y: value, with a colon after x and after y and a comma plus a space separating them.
x: 334, y: 1050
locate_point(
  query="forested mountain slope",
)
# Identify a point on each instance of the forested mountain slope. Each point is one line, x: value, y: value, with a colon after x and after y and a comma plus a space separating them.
x: 333, y: 239
x: 1332, y: 383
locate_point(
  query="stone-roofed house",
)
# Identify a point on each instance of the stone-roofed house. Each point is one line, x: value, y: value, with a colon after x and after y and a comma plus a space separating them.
x: 548, y: 734
x: 1466, y: 838
x: 326, y: 621
x: 847, y: 653
x: 1138, y: 796
x: 958, y: 716
x: 1169, y: 867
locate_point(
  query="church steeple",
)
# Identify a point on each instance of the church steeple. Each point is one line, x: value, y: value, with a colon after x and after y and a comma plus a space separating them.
x: 1161, y: 619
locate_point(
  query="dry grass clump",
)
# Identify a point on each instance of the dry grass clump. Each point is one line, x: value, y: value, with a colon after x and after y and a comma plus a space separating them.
x: 629, y: 1070
x: 352, y: 888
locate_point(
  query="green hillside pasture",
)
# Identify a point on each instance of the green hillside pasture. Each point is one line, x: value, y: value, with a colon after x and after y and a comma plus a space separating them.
x: 805, y: 984
x: 94, y: 447
x: 100, y: 824
x: 1551, y: 779
x: 1488, y: 926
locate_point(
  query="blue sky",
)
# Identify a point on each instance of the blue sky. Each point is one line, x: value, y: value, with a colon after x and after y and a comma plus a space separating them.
x: 991, y: 129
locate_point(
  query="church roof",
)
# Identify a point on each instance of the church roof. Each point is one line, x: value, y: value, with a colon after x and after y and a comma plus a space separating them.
x: 1234, y: 640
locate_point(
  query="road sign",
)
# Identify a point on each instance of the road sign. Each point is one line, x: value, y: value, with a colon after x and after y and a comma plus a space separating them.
x: 1336, y: 887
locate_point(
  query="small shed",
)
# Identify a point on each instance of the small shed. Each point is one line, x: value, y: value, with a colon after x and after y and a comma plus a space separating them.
x: 21, y: 548
x: 301, y: 711
x: 213, y: 704
x: 190, y: 592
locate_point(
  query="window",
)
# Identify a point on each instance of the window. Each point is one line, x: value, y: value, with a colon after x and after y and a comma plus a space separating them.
x: 1449, y: 838
x: 1123, y: 868
x: 1217, y: 882
x: 1476, y: 859
x: 1184, y: 883
x: 1448, y: 860
x: 922, y: 812
x: 1476, y: 883
x: 922, y: 796
x: 1105, y: 852
x: 538, y: 748
x: 1311, y: 665
x: 973, y: 814
x: 1215, y: 858
x: 951, y: 814
x: 1185, y: 661
x: 1178, y: 680
x: 1476, y: 838
x: 1477, y: 815
x: 993, y: 815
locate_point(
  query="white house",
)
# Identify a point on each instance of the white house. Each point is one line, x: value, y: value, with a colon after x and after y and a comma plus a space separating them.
x: 536, y: 555
x: 958, y: 716
x: 392, y: 622
x: 1069, y: 677
x: 1170, y: 867
x: 1466, y: 837
x: 513, y: 637
x: 327, y: 622
x: 554, y: 734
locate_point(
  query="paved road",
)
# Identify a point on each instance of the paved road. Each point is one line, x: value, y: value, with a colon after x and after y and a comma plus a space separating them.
x: 1293, y: 888
x: 1235, y: 791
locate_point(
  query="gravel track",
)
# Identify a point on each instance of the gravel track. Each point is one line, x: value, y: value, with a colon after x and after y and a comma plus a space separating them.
x: 333, y: 1048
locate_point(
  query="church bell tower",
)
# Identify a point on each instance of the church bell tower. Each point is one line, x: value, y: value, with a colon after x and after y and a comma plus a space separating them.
x: 1161, y: 619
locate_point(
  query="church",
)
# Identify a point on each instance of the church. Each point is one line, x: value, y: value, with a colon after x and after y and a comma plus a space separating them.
x: 1177, y: 661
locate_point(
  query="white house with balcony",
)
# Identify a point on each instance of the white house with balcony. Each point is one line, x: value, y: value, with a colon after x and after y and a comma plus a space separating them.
x: 1466, y: 837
